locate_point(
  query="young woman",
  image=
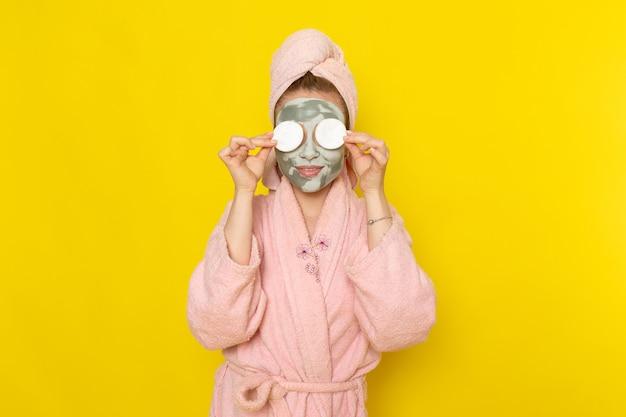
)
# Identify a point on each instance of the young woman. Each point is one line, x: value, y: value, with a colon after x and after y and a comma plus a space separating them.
x: 303, y: 288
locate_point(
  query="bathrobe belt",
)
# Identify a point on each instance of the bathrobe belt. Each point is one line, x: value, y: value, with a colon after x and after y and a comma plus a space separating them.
x: 274, y: 387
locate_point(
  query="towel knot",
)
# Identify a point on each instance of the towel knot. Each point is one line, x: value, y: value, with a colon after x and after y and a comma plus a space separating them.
x: 311, y: 50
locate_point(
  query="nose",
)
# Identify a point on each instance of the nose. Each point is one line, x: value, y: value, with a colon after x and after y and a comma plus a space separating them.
x: 308, y: 151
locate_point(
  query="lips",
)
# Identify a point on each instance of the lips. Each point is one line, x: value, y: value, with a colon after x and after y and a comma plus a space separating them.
x: 309, y: 170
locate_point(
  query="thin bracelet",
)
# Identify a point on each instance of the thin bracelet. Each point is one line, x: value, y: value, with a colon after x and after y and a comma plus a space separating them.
x: 372, y: 221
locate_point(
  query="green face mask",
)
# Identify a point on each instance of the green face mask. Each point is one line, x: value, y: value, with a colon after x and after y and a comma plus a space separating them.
x: 310, y: 132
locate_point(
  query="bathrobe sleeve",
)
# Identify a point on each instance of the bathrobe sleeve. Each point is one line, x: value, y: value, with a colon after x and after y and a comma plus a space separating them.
x: 394, y: 298
x: 226, y: 302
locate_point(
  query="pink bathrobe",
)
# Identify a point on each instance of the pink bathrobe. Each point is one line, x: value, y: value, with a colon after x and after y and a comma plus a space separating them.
x: 306, y: 319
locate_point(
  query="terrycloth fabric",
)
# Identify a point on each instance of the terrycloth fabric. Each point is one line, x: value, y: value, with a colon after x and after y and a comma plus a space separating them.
x: 302, y: 51
x: 311, y: 50
x: 306, y: 319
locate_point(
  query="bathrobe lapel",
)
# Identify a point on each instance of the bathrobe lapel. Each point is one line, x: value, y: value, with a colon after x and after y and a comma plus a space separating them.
x: 306, y: 259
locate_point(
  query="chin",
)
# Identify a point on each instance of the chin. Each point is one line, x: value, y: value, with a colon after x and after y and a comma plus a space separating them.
x: 310, y: 188
x: 313, y: 190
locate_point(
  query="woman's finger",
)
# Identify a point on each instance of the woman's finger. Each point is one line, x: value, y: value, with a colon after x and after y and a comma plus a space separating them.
x: 359, y: 135
x: 242, y: 153
x: 226, y: 154
x: 349, y: 139
x: 382, y: 148
x: 366, y: 146
x: 365, y: 139
x: 262, y: 138
x: 379, y: 156
x: 264, y: 135
x: 358, y: 144
x: 237, y: 141
x: 263, y: 142
x: 354, y: 150
x: 263, y: 153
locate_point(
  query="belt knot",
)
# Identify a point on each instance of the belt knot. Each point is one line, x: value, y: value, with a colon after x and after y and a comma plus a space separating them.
x: 256, y: 389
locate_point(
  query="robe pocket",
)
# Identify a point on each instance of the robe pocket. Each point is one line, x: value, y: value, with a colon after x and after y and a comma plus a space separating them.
x: 218, y: 387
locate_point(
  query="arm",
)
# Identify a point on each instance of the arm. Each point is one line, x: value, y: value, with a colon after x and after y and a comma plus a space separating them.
x: 395, y: 299
x: 238, y: 228
x: 226, y: 301
x: 377, y: 206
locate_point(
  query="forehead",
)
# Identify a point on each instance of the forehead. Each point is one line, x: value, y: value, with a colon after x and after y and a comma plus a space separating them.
x: 308, y: 108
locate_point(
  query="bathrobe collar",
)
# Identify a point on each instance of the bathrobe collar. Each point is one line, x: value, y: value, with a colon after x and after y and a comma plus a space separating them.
x: 307, y: 259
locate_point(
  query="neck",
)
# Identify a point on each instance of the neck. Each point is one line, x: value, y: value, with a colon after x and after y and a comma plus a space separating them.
x: 311, y: 203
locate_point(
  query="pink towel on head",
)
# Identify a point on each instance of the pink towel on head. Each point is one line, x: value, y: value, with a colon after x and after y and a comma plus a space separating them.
x: 302, y: 51
x: 311, y: 50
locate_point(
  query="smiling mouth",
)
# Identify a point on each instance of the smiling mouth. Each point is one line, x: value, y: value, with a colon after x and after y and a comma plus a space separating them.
x: 309, y: 171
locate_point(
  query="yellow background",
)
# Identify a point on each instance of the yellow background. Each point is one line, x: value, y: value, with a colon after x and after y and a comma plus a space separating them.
x: 507, y: 133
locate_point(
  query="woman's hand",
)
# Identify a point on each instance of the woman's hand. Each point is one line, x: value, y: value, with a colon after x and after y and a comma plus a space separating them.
x: 245, y: 169
x: 370, y: 167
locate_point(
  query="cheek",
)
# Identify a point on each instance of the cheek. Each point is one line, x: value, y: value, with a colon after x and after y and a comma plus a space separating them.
x: 333, y: 156
x: 285, y: 157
